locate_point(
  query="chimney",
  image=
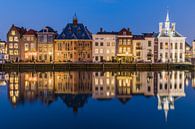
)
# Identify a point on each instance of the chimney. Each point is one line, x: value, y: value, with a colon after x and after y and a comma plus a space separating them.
x: 128, y: 29
x: 101, y: 29
x: 160, y: 26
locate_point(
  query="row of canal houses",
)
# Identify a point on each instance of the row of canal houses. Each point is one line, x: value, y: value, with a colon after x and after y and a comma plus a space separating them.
x: 77, y: 44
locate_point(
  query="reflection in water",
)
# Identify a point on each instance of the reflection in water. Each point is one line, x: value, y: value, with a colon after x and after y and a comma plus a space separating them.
x: 74, y: 88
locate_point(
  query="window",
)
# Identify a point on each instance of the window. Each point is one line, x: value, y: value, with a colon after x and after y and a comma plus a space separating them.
x: 120, y: 50
x: 120, y: 42
x: 181, y: 45
x: 45, y: 38
x: 175, y: 45
x: 60, y: 46
x: 11, y: 39
x: 96, y: 44
x: 13, y: 32
x: 101, y: 44
x: 11, y: 52
x: 96, y: 51
x: 175, y: 55
x: 96, y: 58
x: 16, y: 39
x: 33, y: 47
x: 15, y: 52
x: 108, y: 44
x: 101, y: 51
x: 171, y: 45
x: 149, y: 43
x: 166, y: 55
x: 50, y: 38
x: 10, y: 45
x: 181, y: 55
x: 161, y: 45
x: 26, y: 47
x: 166, y: 46
x: 108, y: 51
x: 28, y: 38
x: 15, y: 45
x: 171, y: 55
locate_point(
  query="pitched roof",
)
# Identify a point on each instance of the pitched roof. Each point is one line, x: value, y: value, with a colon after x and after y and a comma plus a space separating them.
x: 31, y: 32
x: 138, y: 37
x: 48, y: 29
x: 127, y: 31
x: 21, y: 30
x: 75, y: 31
x: 108, y: 33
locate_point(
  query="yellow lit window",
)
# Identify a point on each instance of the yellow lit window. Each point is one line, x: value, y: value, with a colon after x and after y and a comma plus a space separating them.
x: 10, y: 45
x: 15, y: 52
x: 11, y: 39
x: 96, y: 81
x: 120, y: 50
x: 15, y: 45
x: 166, y: 46
x: 13, y: 32
x: 10, y: 52
x: 26, y: 46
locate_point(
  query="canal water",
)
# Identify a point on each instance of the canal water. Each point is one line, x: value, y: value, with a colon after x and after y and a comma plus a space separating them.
x: 97, y: 100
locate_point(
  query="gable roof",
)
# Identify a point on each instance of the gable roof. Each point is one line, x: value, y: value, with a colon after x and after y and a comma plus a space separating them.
x: 75, y: 31
x: 31, y: 32
x: 48, y: 29
x: 127, y: 32
x: 21, y: 30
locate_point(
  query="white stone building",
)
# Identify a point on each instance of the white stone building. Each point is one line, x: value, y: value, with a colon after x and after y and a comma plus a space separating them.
x: 171, y: 44
x: 104, y: 46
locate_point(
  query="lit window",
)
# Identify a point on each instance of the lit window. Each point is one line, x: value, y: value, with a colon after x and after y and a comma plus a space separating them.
x: 28, y: 38
x: 107, y: 81
x: 101, y: 82
x: 33, y: 47
x: 10, y: 45
x: 96, y: 51
x: 101, y: 51
x: 11, y: 52
x: 26, y: 46
x: 11, y: 39
x: 108, y: 51
x: 13, y: 32
x: 96, y: 81
x: 15, y: 52
x: 15, y: 45
x: 16, y: 39
x: 166, y: 46
x: 120, y: 50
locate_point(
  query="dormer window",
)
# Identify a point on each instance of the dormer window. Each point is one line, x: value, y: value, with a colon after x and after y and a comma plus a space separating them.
x: 124, y: 33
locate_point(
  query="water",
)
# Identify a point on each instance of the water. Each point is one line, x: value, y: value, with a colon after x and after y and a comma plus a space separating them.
x: 97, y: 100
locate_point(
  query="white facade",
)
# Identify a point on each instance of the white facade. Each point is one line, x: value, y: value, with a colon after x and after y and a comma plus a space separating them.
x: 143, y: 49
x: 171, y: 86
x: 104, y: 47
x: 171, y: 44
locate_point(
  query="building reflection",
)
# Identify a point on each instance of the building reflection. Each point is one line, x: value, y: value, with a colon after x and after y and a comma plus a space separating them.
x: 75, y: 88
x: 171, y: 87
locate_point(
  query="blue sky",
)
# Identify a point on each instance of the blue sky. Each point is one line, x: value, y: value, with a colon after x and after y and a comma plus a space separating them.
x: 139, y: 15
